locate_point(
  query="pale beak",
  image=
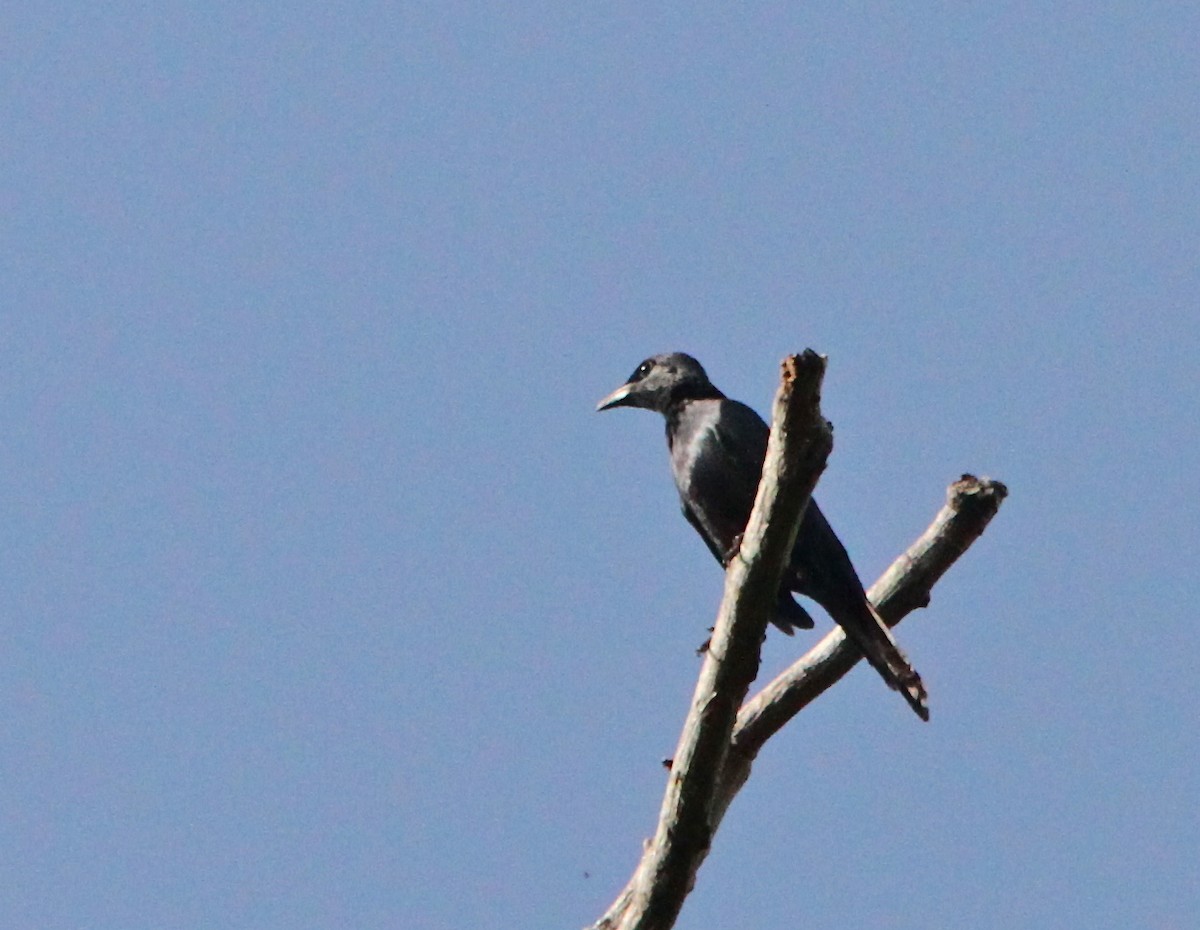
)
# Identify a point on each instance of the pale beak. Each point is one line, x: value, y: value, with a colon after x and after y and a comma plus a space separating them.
x: 618, y: 398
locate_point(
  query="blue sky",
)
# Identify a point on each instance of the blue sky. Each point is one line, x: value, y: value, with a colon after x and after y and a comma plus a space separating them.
x: 328, y: 600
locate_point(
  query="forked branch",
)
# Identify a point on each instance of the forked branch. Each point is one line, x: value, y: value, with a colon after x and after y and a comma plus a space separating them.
x: 719, y: 742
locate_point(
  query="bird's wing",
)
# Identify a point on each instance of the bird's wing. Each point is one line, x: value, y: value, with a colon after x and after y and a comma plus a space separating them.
x: 700, y: 528
x: 742, y: 435
x: 718, y: 458
x: 729, y: 445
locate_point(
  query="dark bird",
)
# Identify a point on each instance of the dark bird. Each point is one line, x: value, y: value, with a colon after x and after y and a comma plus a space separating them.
x: 717, y: 450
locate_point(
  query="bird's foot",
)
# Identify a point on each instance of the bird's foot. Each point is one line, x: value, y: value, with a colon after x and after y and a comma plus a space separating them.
x: 734, y: 548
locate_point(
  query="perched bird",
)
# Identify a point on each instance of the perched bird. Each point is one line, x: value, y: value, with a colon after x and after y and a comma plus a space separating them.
x: 717, y: 450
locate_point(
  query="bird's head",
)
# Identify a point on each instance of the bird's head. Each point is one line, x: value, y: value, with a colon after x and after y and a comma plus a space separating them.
x: 660, y: 381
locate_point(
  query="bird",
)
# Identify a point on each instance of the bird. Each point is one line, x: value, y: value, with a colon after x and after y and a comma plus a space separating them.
x: 717, y: 447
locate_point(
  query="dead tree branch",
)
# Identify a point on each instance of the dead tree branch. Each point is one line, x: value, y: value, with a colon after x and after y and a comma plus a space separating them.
x: 719, y: 743
x: 970, y: 505
x: 796, y: 452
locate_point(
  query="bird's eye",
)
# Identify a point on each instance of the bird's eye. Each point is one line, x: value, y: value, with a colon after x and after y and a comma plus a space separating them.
x: 642, y: 370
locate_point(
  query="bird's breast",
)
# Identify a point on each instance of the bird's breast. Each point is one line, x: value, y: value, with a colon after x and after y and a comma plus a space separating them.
x: 689, y: 452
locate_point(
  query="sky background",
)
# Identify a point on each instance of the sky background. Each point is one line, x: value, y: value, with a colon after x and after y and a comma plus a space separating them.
x: 329, y: 602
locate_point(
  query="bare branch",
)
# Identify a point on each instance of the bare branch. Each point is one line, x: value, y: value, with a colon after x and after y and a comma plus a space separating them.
x: 799, y: 444
x: 719, y: 743
x: 970, y: 505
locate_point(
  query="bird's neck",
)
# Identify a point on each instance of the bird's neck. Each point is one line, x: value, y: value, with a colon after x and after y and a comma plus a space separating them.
x: 684, y: 394
x: 678, y: 405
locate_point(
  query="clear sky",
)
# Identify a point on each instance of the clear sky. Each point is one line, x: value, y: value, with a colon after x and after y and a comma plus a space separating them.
x: 327, y: 600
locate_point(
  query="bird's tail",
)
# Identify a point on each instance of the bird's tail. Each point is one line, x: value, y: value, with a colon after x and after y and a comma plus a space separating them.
x: 872, y: 635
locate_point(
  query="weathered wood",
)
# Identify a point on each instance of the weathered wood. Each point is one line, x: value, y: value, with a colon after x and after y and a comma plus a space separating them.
x: 718, y: 745
x: 796, y: 452
x: 970, y: 505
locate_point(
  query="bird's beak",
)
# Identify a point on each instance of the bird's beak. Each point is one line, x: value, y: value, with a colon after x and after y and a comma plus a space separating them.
x: 618, y: 398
